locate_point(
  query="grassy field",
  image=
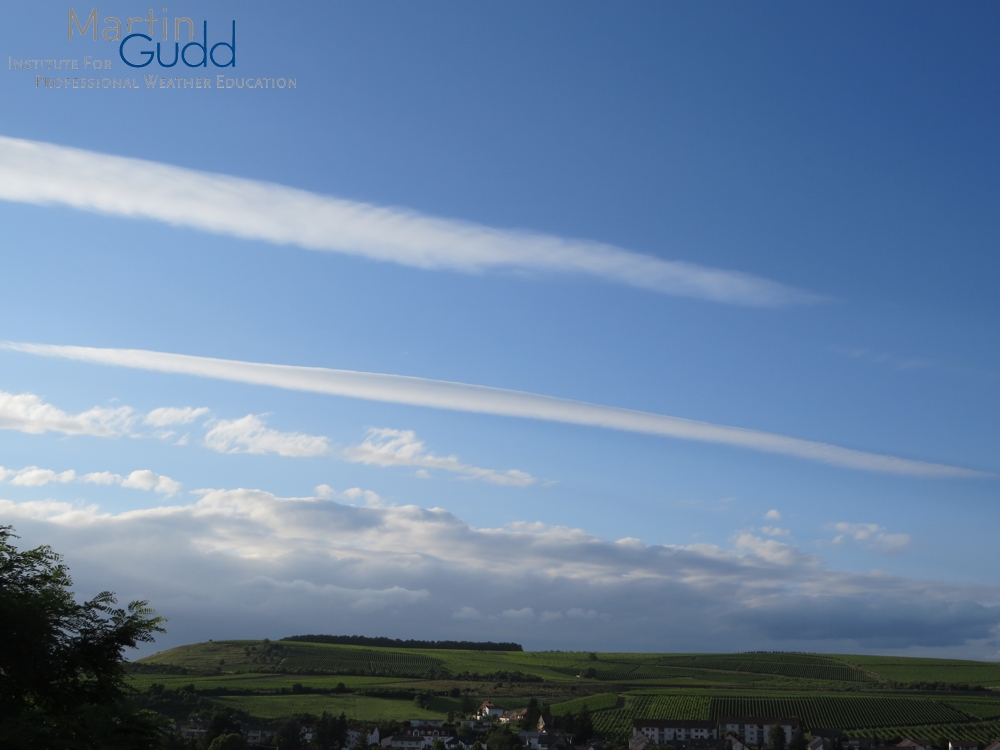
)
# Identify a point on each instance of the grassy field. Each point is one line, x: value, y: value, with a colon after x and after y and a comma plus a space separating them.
x: 864, y: 695
x: 360, y: 708
x: 931, y: 670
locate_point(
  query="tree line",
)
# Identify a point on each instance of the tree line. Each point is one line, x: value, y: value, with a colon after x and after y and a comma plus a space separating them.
x: 381, y: 641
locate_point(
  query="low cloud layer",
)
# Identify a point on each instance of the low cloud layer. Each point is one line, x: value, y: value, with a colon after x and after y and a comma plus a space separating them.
x: 43, y: 173
x: 388, y: 447
x: 442, y: 394
x: 236, y: 563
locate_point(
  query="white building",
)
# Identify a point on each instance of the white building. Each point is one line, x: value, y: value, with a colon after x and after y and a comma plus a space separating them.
x: 508, y: 716
x: 664, y: 731
x: 489, y: 711
x: 403, y: 742
x: 429, y: 735
x: 752, y: 731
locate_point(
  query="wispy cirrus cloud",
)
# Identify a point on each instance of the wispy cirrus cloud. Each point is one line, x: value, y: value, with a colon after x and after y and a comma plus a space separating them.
x: 388, y: 447
x: 43, y: 173
x: 251, y: 435
x: 441, y: 394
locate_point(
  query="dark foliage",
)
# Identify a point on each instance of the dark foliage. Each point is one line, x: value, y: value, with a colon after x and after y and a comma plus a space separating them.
x: 776, y: 738
x: 580, y: 726
x: 289, y: 736
x: 502, y: 739
x: 362, y: 640
x: 534, y: 712
x: 330, y: 732
x: 62, y: 670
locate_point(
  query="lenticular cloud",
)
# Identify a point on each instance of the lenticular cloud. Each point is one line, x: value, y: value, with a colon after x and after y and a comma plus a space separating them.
x: 442, y: 394
x: 43, y: 173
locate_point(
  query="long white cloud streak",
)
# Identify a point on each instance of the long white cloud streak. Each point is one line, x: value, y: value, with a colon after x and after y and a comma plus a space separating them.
x: 441, y: 394
x: 42, y: 173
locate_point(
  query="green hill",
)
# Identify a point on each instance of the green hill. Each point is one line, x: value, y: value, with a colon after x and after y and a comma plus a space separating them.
x: 864, y: 695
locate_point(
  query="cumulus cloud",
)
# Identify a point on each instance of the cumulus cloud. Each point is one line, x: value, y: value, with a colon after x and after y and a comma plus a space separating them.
x: 441, y: 394
x: 772, y: 515
x: 101, y: 477
x: 775, y: 531
x: 166, y: 416
x: 144, y: 479
x: 246, y: 562
x: 871, y: 535
x: 388, y: 447
x: 251, y: 435
x: 43, y: 173
x: 32, y: 476
x: 467, y: 613
x: 29, y: 413
x: 369, y: 498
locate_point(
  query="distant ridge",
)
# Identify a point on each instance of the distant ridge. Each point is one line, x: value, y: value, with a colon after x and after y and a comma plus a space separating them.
x: 363, y: 640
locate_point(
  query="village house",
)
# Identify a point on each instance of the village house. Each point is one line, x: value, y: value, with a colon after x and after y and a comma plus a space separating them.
x: 403, y: 742
x: 193, y: 729
x: 832, y: 738
x: 488, y: 711
x: 259, y: 735
x: 536, y: 740
x: 509, y: 716
x: 671, y: 731
x: 757, y: 731
x: 429, y: 734
x: 962, y: 745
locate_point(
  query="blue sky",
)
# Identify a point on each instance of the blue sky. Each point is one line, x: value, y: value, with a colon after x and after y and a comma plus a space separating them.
x: 776, y: 218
